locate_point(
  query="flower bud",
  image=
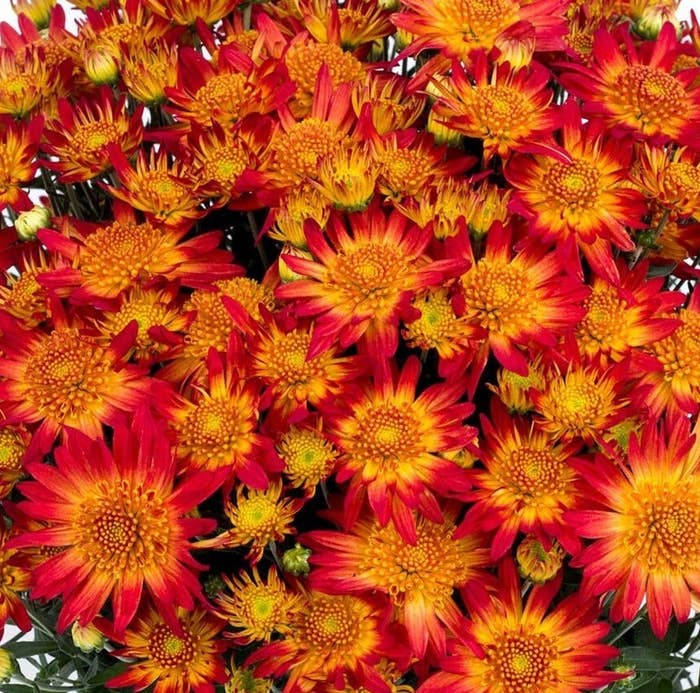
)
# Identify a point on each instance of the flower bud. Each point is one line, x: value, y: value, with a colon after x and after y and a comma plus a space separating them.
x: 101, y: 67
x: 296, y: 560
x: 39, y: 11
x: 287, y: 274
x: 30, y: 222
x: 652, y: 19
x: 87, y: 638
x: 7, y: 665
x: 537, y: 563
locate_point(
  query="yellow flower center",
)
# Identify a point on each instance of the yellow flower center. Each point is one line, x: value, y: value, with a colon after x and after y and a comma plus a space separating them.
x: 534, y: 472
x: 169, y: 650
x: 522, y: 662
x: 649, y: 99
x: 679, y: 352
x: 473, y: 23
x: 501, y: 112
x: 331, y: 623
x: 123, y: 527
x: 308, y: 457
x: 257, y: 515
x: 66, y: 375
x: 606, y: 324
x: 682, y: 179
x: 227, y: 92
x: 575, y: 184
x: 165, y: 192
x: 499, y: 297
x: 225, y: 164
x: 403, y: 171
x: 664, y: 526
x: 304, y: 60
x: 89, y: 139
x: 437, y: 322
x: 11, y: 450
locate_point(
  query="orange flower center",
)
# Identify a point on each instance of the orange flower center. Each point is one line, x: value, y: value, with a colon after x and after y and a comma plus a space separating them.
x: 304, y: 60
x: 89, y: 139
x: 499, y: 297
x: 386, y: 434
x: 227, y: 92
x: 575, y: 184
x: 66, y: 375
x: 534, y: 472
x: 605, y: 326
x: 521, y: 662
x: 477, y: 23
x: 169, y: 650
x: 163, y: 191
x: 123, y: 527
x: 24, y: 298
x: 225, y: 164
x: 500, y: 112
x: 679, y: 352
x: 682, y: 179
x: 308, y: 457
x: 404, y: 171
x: 11, y: 450
x: 664, y: 526
x: 649, y: 99
x: 332, y: 624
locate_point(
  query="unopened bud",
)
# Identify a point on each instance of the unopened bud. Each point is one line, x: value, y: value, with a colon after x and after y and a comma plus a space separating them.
x: 287, y: 274
x: 296, y: 560
x: 87, y: 638
x: 7, y: 665
x: 30, y: 222
x: 537, y: 563
x: 39, y: 11
x: 652, y: 19
x: 101, y: 67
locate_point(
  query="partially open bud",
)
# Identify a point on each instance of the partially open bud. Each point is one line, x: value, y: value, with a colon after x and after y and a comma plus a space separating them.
x: 287, y: 274
x: 537, y: 563
x: 648, y: 24
x: 296, y: 560
x: 87, y: 638
x: 30, y: 222
x: 101, y: 66
x: 39, y: 11
x: 347, y: 178
x: 7, y: 665
x: 516, y: 45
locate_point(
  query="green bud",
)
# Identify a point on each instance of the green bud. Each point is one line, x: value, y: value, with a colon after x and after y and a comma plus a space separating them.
x: 296, y: 560
x: 30, y: 222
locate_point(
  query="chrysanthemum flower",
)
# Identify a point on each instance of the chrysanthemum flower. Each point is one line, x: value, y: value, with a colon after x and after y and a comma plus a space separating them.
x: 635, y: 91
x: 675, y: 386
x: 528, y: 648
x: 519, y: 299
x: 15, y: 577
x: 14, y: 441
x: 24, y: 297
x: 393, y: 446
x: 357, y: 287
x: 225, y: 91
x: 120, y: 519
x: 148, y: 69
x: 108, y: 259
x: 243, y: 680
x: 296, y: 205
x: 165, y: 191
x: 584, y: 203
x: 457, y: 27
x: 64, y: 378
x: 308, y: 455
x: 620, y: 318
x: 509, y: 110
x: 258, y: 517
x: 537, y: 561
x: 187, y: 12
x: 419, y: 578
x: 525, y: 486
x: 78, y: 139
x: 332, y: 639
x: 645, y: 522
x: 19, y: 143
x: 583, y: 403
x: 257, y: 608
x: 514, y: 390
x: 172, y: 660
x: 347, y: 177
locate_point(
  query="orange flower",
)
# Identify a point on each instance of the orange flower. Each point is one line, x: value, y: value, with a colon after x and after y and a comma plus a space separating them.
x: 148, y: 69
x: 66, y: 379
x: 15, y: 577
x: 187, y: 12
x: 14, y: 441
x: 645, y: 522
x: 418, y: 577
x: 332, y: 639
x: 394, y: 444
x: 509, y: 110
x: 525, y: 486
x: 518, y: 300
x: 634, y: 91
x: 24, y: 297
x: 80, y: 136
x: 585, y: 202
x: 217, y: 427
x: 176, y: 658
x: 19, y: 143
x: 108, y: 259
x: 521, y: 647
x: 358, y: 287
x: 457, y: 28
x: 121, y: 523
x: 165, y: 191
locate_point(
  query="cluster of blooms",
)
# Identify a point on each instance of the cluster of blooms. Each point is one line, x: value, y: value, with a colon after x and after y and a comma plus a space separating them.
x: 334, y: 333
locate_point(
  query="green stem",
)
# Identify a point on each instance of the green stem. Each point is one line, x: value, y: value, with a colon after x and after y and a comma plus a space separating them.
x: 637, y: 619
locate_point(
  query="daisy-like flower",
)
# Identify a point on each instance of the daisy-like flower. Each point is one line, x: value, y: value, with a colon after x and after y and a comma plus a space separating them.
x: 457, y: 27
x: 14, y: 441
x: 119, y: 520
x: 584, y: 203
x: 331, y: 639
x: 79, y: 137
x: 216, y: 428
x: 15, y: 577
x: 393, y: 445
x: 419, y: 578
x: 514, y: 390
x: 187, y: 12
x: 518, y: 299
x: 358, y: 286
x: 257, y: 608
x: 526, y: 647
x: 24, y: 297
x: 645, y: 522
x: 509, y: 110
x: 619, y: 318
x: 258, y: 517
x: 636, y: 91
x: 525, y: 486
x: 675, y: 386
x: 19, y: 143
x: 148, y: 69
x: 65, y: 378
x: 172, y: 660
x: 108, y: 259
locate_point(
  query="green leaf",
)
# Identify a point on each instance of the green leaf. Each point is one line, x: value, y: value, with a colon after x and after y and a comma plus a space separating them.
x: 22, y: 649
x: 109, y: 673
x: 16, y: 688
x: 646, y: 659
x: 658, y: 686
x: 644, y: 637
